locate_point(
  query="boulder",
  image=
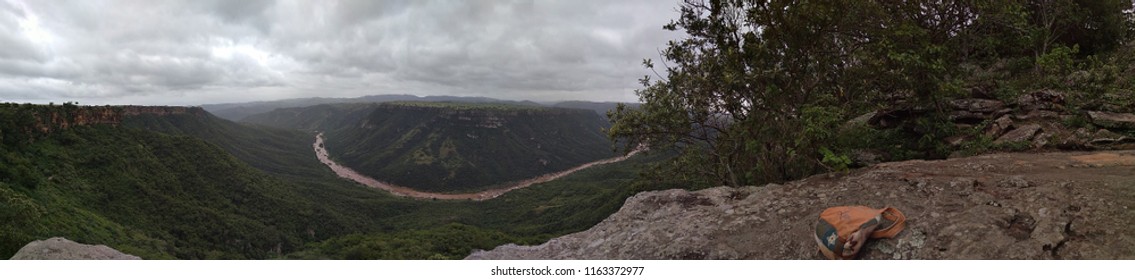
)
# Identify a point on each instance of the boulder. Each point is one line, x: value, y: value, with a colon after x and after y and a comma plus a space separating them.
x: 1038, y: 115
x: 1041, y: 100
x: 1113, y: 120
x: 977, y: 105
x: 1022, y: 133
x: 58, y: 248
x: 866, y: 157
x: 976, y: 110
x: 999, y: 126
x: 967, y: 117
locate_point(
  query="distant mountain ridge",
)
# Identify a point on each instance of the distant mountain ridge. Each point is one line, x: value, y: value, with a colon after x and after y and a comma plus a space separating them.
x: 239, y: 111
x: 449, y: 146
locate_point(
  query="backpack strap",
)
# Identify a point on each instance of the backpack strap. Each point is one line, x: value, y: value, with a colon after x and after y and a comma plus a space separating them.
x: 897, y: 225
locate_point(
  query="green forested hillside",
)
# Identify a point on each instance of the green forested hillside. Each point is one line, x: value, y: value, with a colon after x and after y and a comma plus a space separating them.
x: 195, y: 186
x: 155, y: 195
x: 451, y: 147
x: 450, y: 229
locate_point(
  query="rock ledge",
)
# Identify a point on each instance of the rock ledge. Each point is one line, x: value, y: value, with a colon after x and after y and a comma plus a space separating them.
x: 58, y: 248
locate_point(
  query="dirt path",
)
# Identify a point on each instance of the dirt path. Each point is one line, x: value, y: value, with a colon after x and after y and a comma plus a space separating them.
x: 353, y: 175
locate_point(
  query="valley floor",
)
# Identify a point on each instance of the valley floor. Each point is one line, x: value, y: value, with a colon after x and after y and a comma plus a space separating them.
x: 350, y: 174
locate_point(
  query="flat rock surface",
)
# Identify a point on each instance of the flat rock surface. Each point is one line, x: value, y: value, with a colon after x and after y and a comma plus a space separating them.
x: 58, y: 248
x: 1023, y: 133
x: 1113, y: 120
x: 1001, y: 206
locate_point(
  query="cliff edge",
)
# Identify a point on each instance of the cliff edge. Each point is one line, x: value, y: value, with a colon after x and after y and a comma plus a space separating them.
x: 1002, y: 206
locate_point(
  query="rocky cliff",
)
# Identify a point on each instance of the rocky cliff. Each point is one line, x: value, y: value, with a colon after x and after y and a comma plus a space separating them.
x: 58, y: 248
x: 1003, y: 206
x: 50, y: 118
x: 1038, y: 120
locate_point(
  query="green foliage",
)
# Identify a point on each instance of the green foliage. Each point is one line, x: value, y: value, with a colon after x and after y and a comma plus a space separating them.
x: 1059, y: 61
x: 18, y: 212
x: 453, y: 147
x: 761, y: 87
x: 833, y: 161
x: 453, y: 241
x: 197, y: 187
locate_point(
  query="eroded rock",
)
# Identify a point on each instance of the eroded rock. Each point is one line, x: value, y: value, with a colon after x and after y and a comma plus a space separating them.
x: 1041, y: 100
x: 1022, y: 133
x: 58, y: 248
x: 1113, y: 120
x: 977, y: 105
x: 1000, y: 206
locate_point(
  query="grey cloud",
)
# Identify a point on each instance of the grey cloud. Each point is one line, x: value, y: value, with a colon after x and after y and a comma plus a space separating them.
x: 198, y: 51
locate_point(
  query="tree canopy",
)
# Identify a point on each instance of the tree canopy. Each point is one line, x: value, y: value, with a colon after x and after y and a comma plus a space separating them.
x: 758, y: 91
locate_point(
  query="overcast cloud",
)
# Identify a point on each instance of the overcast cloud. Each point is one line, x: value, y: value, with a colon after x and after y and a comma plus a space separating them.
x: 197, y: 52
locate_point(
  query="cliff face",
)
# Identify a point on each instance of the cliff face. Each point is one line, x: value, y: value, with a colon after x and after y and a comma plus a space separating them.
x: 1001, y: 206
x: 51, y: 118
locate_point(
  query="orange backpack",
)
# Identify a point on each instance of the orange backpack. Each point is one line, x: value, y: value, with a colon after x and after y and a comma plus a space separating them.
x: 837, y: 224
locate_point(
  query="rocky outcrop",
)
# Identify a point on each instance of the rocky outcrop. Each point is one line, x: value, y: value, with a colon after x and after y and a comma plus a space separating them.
x: 971, y: 110
x: 51, y: 118
x: 58, y: 248
x: 1000, y: 206
x: 1035, y: 120
x: 1113, y: 120
x: 1020, y: 134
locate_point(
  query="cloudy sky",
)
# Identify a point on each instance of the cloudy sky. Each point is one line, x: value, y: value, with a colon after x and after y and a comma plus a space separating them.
x: 199, y: 52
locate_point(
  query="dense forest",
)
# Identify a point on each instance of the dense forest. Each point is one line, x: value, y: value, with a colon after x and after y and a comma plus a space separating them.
x: 194, y: 186
x: 451, y: 147
x: 769, y: 91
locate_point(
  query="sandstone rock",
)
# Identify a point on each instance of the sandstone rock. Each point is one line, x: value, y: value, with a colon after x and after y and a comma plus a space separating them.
x: 1023, y: 206
x: 1022, y: 133
x: 1113, y: 120
x: 1041, y: 100
x: 861, y: 119
x: 865, y: 157
x: 999, y: 126
x: 977, y: 105
x: 1038, y: 115
x: 1041, y: 139
x: 956, y: 140
x: 1111, y: 142
x: 975, y: 110
x: 967, y: 117
x: 58, y: 248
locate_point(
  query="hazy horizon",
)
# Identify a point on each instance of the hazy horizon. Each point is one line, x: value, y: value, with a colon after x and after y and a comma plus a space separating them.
x: 210, y: 52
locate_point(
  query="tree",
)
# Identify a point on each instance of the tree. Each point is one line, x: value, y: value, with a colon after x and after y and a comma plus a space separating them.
x: 759, y: 89
x: 756, y: 89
